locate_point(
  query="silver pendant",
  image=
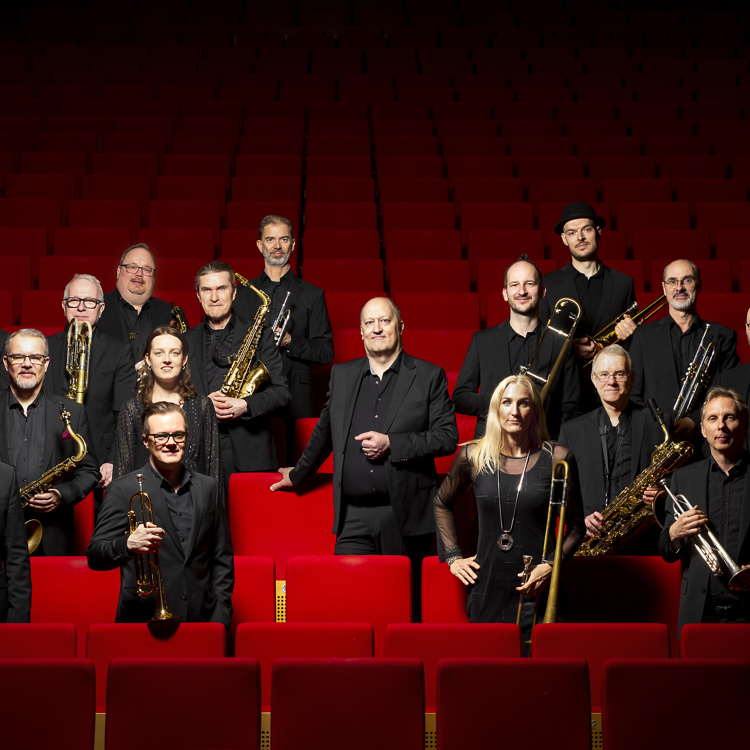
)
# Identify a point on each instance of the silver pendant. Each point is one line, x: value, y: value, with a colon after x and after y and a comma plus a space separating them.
x: 505, y: 542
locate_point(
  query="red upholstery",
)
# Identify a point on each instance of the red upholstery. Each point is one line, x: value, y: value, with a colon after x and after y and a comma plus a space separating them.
x: 60, y: 186
x: 668, y: 244
x: 373, y: 589
x: 83, y: 518
x: 122, y: 164
x: 38, y: 641
x: 463, y: 146
x: 601, y: 167
x: 443, y: 595
x: 468, y: 167
x: 32, y: 212
x: 631, y: 683
x: 341, y: 243
x: 715, y: 190
x: 66, y: 687
x: 728, y: 309
x: 178, y: 242
x: 725, y: 215
x: 343, y: 311
x: 426, y: 244
x: 106, y: 213
x: 186, y: 214
x: 118, y: 187
x: 345, y: 274
x: 693, y: 167
x: 254, y: 595
x: 632, y: 217
x: 597, y: 642
x: 358, y: 215
x: 714, y: 641
x: 416, y: 275
x: 544, y: 190
x: 509, y: 683
x: 302, y: 431
x: 405, y: 145
x: 318, y: 702
x: 443, y: 346
x: 495, y: 189
x: 409, y: 166
x: 260, y: 164
x: 439, y: 309
x: 152, y: 125
x: 463, y: 128
x: 322, y: 145
x: 628, y: 190
x: 189, y: 188
x: 400, y: 189
x: 266, y: 642
x: 345, y: 189
x: 659, y: 146
x: 335, y: 166
x: 271, y: 144
x: 231, y: 691
x: 199, y: 165
x: 505, y: 216
x: 272, y: 187
x: 432, y: 642
x: 41, y: 308
x: 41, y: 163
x: 419, y: 215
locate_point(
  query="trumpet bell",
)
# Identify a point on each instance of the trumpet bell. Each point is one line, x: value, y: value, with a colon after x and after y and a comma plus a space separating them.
x: 33, y: 534
x: 740, y: 581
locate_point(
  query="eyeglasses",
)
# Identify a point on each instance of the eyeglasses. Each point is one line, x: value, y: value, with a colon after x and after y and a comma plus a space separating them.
x: 687, y: 281
x: 619, y: 376
x: 384, y: 322
x: 162, y: 438
x: 19, y: 359
x: 89, y: 302
x: 133, y: 269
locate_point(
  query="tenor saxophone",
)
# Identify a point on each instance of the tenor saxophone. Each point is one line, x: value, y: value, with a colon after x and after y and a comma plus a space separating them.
x: 242, y: 380
x: 50, y: 477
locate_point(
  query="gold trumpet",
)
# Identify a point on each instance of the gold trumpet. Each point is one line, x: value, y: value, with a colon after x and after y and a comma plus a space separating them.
x: 607, y: 335
x: 710, y: 549
x: 77, y: 358
x: 147, y: 566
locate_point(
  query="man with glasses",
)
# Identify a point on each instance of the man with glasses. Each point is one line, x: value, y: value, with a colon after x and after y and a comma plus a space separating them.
x: 111, y: 367
x: 33, y: 439
x: 613, y: 443
x: 131, y: 312
x: 190, y: 531
x: 663, y: 349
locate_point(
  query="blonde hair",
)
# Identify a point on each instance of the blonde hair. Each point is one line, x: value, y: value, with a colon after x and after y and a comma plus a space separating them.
x: 488, y: 448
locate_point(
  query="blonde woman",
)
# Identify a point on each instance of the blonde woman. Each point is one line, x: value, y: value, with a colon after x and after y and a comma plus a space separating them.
x: 510, y: 471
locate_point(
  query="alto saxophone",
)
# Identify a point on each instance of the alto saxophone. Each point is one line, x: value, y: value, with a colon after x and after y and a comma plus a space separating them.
x: 54, y: 475
x: 241, y: 380
x: 628, y: 514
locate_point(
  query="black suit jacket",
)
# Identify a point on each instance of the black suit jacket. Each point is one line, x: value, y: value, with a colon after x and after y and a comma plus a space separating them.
x: 692, y: 481
x: 15, y: 575
x: 656, y: 373
x: 312, y: 337
x: 111, y: 384
x: 487, y: 363
x: 198, y: 585
x: 3, y: 372
x: 58, y: 529
x: 420, y: 424
x: 738, y: 379
x: 252, y: 442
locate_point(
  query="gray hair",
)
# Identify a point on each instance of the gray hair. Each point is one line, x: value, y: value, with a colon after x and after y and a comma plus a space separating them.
x: 274, y: 219
x: 719, y: 392
x: 31, y: 333
x: 85, y: 277
x: 616, y: 351
x: 138, y: 246
x: 695, y: 270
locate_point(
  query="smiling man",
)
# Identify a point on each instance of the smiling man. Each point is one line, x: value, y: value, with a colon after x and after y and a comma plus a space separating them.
x: 190, y: 531
x: 497, y: 352
x: 387, y: 417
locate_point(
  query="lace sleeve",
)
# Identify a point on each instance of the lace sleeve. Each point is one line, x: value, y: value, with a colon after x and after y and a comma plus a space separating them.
x: 452, y: 489
x: 211, y: 450
x: 575, y: 529
x: 128, y: 445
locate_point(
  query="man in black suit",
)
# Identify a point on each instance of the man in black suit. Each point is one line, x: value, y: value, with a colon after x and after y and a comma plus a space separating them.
x: 244, y: 426
x: 190, y: 530
x: 15, y: 572
x: 662, y: 350
x: 602, y: 292
x: 131, y: 311
x: 738, y: 378
x: 111, y: 367
x: 718, y: 492
x: 613, y: 444
x: 387, y: 417
x: 34, y: 439
x: 497, y: 352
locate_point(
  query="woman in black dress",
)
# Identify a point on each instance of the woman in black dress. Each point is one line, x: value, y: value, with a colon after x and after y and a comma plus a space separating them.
x: 166, y: 377
x: 510, y: 469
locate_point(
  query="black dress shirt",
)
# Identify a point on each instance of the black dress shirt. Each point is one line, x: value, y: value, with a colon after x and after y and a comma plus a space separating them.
x: 25, y: 436
x: 684, y: 345
x: 136, y: 326
x: 218, y: 349
x: 180, y: 504
x: 521, y: 348
x: 590, y: 293
x: 276, y: 290
x: 363, y: 477
x: 616, y: 452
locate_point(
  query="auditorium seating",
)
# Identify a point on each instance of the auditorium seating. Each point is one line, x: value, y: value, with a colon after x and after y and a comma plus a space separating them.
x: 714, y: 641
x: 52, y: 640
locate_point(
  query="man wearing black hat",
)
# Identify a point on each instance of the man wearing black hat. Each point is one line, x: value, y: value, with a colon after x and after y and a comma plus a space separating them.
x: 602, y: 292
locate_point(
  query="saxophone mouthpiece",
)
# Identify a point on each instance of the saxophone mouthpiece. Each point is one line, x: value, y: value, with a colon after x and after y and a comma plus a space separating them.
x: 656, y: 412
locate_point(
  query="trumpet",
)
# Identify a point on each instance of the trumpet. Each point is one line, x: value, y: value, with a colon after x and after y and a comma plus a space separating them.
x: 695, y: 377
x: 607, y: 335
x: 709, y: 548
x: 282, y: 321
x: 148, y: 567
x: 77, y: 358
x: 563, y: 322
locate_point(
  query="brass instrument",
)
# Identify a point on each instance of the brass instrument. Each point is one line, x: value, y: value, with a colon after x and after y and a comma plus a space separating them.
x: 562, y: 321
x: 178, y: 321
x: 550, y: 614
x: 282, y: 320
x: 607, y: 335
x: 242, y: 381
x: 147, y: 566
x: 628, y: 515
x: 526, y: 573
x: 55, y: 474
x: 77, y: 358
x: 695, y: 377
x: 240, y: 279
x: 710, y: 549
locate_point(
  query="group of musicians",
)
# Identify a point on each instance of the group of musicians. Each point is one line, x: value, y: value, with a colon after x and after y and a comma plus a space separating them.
x: 162, y: 416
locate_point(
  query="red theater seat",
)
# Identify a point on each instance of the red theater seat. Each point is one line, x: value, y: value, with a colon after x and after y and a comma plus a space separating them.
x: 629, y: 190
x: 185, y: 188
x: 144, y: 125
x: 199, y: 165
x: 254, y: 595
x: 632, y: 268
x: 127, y: 164
x: 467, y: 146
x: 430, y: 309
x: 714, y: 641
x: 55, y: 270
x: 409, y: 166
x: 322, y: 145
x: 358, y: 215
x: 423, y: 189
x: 249, y: 214
x: 418, y: 215
x: 529, y: 146
x: 175, y: 243
x: 693, y: 167
x: 669, y: 244
x: 378, y: 590
x: 344, y: 308
x: 260, y: 165
x: 341, y: 243
x: 674, y: 146
x: 336, y: 166
x: 339, y: 126
x: 186, y: 214
x: 59, y: 186
x: 395, y: 145
x: 45, y: 213
x: 477, y: 167
x: 443, y: 595
x: 716, y: 275
x: 632, y: 167
x: 106, y: 213
x: 483, y: 216
x: 546, y: 190
x: 445, y: 347
x: 550, y: 167
x: 118, y: 187
x: 346, y: 274
x: 345, y: 189
x: 466, y: 128
x: 642, y: 216
x: 319, y: 702
x: 694, y: 191
x: 726, y: 215
x: 271, y: 144
x: 415, y: 275
x: 303, y: 429
x: 38, y: 641
x: 479, y: 189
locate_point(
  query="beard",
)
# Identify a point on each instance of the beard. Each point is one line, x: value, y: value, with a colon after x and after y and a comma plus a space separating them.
x: 528, y: 312
x: 26, y: 384
x: 277, y: 262
x: 682, y: 305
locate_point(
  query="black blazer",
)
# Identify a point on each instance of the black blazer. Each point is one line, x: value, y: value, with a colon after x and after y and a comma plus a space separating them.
x: 4, y: 382
x: 312, y: 337
x: 656, y: 373
x: 421, y: 425
x: 252, y: 442
x: 198, y: 585
x: 58, y: 528
x: 738, y: 379
x: 692, y: 481
x: 487, y: 363
x: 111, y: 384
x: 15, y: 574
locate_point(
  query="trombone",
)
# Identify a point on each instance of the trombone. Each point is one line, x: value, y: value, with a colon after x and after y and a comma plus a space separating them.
x: 556, y: 509
x: 77, y: 358
x: 148, y: 567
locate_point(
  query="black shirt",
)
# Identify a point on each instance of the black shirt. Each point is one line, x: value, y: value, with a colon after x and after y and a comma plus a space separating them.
x: 616, y: 449
x: 276, y: 290
x: 180, y: 504
x: 684, y: 345
x: 590, y: 293
x: 218, y: 350
x: 521, y: 348
x: 362, y: 477
x: 25, y: 436
x: 136, y: 326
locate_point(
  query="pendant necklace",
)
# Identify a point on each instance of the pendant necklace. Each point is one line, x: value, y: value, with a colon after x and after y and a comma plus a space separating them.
x: 505, y: 540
